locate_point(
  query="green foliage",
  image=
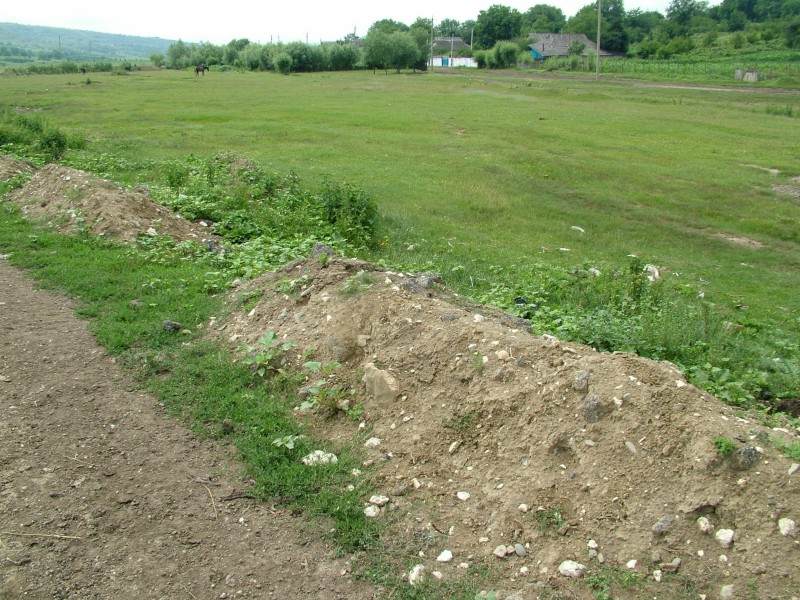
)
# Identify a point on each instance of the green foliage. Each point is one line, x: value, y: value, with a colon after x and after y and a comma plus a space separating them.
x: 549, y: 520
x: 497, y: 23
x: 352, y: 212
x: 504, y: 55
x: 283, y: 63
x: 724, y: 445
x: 268, y: 355
x: 792, y: 34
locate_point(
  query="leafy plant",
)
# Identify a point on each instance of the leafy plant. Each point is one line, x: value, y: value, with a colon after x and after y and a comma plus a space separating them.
x: 724, y: 445
x: 267, y: 354
x: 549, y: 519
x: 287, y: 441
x: 330, y: 397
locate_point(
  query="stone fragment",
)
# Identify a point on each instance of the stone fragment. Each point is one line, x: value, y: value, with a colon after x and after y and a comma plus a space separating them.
x: 416, y: 575
x: 372, y: 511
x: 705, y: 525
x: 671, y: 567
x: 571, y: 568
x: 727, y: 591
x: 523, y: 508
x: 380, y: 384
x: 320, y: 457
x: 592, y: 544
x: 663, y: 525
x: 725, y: 537
x: 500, y: 551
x: 372, y: 442
x: 520, y: 550
x: 463, y: 496
x: 746, y: 457
x: 657, y: 575
x: 593, y: 409
x: 794, y: 468
x: 787, y: 526
x: 445, y: 556
x: 580, y: 383
x: 631, y: 564
x: 379, y: 500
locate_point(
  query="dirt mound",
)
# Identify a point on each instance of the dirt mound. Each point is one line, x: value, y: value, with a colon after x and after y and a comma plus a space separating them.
x: 496, y: 442
x: 10, y: 167
x: 72, y: 200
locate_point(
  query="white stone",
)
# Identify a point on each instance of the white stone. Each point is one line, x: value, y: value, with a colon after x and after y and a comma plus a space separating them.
x: 727, y: 591
x: 415, y: 482
x: 319, y: 457
x: 372, y: 511
x: 523, y: 570
x: 502, y: 355
x: 787, y: 526
x: 523, y: 508
x: 416, y: 575
x: 445, y: 556
x: 725, y: 537
x: 657, y: 575
x: 570, y: 568
x: 705, y: 525
x: 592, y: 544
x: 379, y: 500
x: 631, y: 564
x: 437, y: 574
x: 478, y: 318
x: 372, y: 442
x: 794, y: 468
x: 454, y: 446
x: 463, y: 496
x: 500, y: 551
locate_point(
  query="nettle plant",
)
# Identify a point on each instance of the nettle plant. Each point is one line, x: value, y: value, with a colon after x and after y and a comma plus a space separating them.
x: 268, y: 355
x: 329, y: 396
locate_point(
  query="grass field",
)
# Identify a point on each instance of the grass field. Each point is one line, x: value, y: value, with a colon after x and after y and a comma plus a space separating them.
x: 487, y: 173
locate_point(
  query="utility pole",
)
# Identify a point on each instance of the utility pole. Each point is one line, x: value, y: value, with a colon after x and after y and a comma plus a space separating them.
x: 597, y: 58
x: 432, y: 42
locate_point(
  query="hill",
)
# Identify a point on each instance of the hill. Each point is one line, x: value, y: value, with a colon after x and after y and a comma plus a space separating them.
x: 26, y: 43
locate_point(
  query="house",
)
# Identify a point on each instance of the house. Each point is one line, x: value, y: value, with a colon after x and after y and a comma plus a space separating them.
x: 445, y: 50
x: 547, y: 45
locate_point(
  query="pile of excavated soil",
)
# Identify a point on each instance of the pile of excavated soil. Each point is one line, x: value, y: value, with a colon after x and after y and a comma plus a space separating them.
x: 497, y: 442
x: 71, y: 200
x: 10, y: 167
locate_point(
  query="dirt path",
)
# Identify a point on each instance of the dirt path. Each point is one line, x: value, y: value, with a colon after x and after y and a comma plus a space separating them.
x: 104, y: 495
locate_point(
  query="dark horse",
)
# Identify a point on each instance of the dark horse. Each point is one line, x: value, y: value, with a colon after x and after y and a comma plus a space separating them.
x: 201, y: 69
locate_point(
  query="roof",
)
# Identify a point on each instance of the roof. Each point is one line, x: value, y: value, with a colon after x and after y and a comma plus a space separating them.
x: 558, y: 44
x: 443, y: 44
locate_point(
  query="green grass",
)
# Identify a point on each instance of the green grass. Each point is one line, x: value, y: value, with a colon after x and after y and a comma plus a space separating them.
x: 486, y: 178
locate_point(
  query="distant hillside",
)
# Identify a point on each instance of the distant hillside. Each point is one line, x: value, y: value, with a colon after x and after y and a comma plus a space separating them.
x: 26, y: 43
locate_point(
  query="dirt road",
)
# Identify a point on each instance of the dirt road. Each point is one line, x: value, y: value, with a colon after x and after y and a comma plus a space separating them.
x: 104, y: 495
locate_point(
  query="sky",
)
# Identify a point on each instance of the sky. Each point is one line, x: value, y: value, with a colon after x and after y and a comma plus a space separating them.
x: 262, y: 21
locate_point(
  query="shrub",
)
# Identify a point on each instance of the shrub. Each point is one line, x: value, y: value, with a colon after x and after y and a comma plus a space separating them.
x: 504, y: 55
x: 352, y: 211
x: 283, y: 63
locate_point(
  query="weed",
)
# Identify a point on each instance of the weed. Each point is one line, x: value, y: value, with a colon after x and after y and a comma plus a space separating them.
x: 724, y: 445
x: 267, y: 355
x: 791, y: 450
x: 464, y: 422
x: 287, y: 441
x: 549, y: 519
x: 358, y: 283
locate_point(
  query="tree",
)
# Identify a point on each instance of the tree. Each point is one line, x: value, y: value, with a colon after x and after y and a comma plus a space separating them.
x: 387, y: 26
x: 497, y: 23
x: 682, y: 11
x: 448, y: 27
x: 543, y: 18
x: 404, y: 52
x: 377, y: 50
x: 641, y: 24
x: 614, y: 32
x: 792, y: 34
x: 157, y: 58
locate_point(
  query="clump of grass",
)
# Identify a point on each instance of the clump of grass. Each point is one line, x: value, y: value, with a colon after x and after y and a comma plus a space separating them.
x: 549, y: 520
x: 724, y: 445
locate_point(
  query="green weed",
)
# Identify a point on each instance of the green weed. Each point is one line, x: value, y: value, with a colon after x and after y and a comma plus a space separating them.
x: 724, y: 445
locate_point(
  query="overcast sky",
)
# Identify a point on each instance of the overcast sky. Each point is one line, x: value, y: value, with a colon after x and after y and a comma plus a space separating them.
x: 262, y: 21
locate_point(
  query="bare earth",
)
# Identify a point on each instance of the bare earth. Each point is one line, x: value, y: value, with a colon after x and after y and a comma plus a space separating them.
x: 104, y: 495
x: 489, y: 437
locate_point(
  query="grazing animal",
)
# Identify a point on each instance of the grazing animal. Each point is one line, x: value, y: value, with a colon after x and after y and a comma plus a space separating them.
x: 201, y: 69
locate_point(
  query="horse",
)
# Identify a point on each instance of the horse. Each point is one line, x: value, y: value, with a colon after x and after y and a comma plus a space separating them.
x: 201, y: 69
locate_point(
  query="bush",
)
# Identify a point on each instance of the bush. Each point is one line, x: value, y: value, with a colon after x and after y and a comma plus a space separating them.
x: 352, y: 211
x: 504, y: 55
x: 792, y: 34
x: 283, y: 63
x: 482, y: 58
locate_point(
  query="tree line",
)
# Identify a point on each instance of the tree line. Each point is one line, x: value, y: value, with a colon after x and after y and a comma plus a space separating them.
x: 499, y: 34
